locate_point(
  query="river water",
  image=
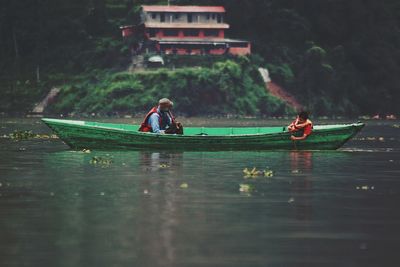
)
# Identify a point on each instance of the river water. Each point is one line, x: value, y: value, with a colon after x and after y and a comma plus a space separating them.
x: 338, y: 208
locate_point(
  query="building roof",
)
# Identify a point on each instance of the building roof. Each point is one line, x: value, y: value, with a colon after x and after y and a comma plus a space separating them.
x: 186, y: 25
x: 214, y: 9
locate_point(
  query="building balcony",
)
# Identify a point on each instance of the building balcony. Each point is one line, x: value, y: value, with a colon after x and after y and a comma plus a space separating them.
x: 184, y: 9
x: 166, y: 25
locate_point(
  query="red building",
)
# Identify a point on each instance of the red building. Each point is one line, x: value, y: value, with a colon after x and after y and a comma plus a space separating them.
x: 187, y: 30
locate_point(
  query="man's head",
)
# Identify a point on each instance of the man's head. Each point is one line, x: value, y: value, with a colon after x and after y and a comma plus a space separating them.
x: 165, y: 104
x: 303, y: 116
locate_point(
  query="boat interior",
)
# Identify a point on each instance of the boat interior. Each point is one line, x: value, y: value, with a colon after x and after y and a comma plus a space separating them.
x: 201, y: 130
x: 196, y: 130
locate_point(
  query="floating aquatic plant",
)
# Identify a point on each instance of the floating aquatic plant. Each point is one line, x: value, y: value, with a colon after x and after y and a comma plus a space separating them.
x: 101, y: 161
x: 45, y: 136
x: 365, y: 187
x: 21, y: 135
x: 371, y: 138
x: 28, y: 134
x: 246, y: 188
x: 253, y: 173
x: 184, y: 185
x: 164, y: 165
x: 268, y: 173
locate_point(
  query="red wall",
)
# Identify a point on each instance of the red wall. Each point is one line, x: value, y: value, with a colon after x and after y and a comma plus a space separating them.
x: 182, y: 51
x: 219, y: 51
x: 240, y: 51
x: 160, y: 34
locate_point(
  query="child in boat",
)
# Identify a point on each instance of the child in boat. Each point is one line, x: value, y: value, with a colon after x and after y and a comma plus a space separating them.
x: 302, y: 127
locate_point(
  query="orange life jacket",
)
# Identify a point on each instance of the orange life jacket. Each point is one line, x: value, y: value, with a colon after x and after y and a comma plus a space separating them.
x: 146, y: 126
x: 307, y: 129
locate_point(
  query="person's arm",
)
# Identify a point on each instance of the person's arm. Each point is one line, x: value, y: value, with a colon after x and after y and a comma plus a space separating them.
x: 307, y: 132
x: 292, y: 126
x: 302, y: 125
x: 294, y: 138
x: 155, y: 124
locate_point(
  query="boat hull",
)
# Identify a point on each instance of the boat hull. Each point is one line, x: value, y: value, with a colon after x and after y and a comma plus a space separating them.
x: 79, y: 135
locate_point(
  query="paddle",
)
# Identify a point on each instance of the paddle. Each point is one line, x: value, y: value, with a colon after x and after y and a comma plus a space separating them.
x: 294, y: 144
x: 294, y: 141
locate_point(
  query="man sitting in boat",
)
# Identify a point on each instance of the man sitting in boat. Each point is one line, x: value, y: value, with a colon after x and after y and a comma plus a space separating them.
x: 160, y: 119
x: 301, y: 127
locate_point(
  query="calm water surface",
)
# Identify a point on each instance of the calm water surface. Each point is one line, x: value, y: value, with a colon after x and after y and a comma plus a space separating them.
x: 338, y: 208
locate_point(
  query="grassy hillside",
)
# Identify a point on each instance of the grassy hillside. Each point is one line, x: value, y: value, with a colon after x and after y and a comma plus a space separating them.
x: 227, y: 87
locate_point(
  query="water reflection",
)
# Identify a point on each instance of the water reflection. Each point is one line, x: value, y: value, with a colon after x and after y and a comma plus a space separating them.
x: 134, y: 212
x: 156, y: 161
x: 160, y: 215
x: 146, y: 187
x: 301, y: 167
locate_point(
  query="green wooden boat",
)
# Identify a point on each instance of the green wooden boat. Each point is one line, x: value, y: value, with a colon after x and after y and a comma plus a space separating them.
x: 96, y: 135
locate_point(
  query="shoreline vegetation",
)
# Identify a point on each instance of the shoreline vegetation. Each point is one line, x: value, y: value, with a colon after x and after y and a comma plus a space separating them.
x: 226, y: 87
x: 77, y: 46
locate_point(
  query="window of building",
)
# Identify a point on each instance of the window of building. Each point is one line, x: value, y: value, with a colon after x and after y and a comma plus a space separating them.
x: 171, y: 32
x: 176, y: 16
x: 219, y: 18
x: 153, y: 15
x: 208, y: 16
x: 191, y: 32
x: 213, y: 33
x: 162, y: 17
x: 213, y: 16
x: 239, y: 44
x: 190, y: 17
x: 152, y: 32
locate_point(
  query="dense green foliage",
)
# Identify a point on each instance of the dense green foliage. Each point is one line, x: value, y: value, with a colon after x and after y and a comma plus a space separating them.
x: 337, y: 56
x: 198, y: 91
x: 44, y: 43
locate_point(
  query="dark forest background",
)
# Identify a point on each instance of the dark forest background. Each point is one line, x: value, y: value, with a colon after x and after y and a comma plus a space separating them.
x: 335, y: 56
